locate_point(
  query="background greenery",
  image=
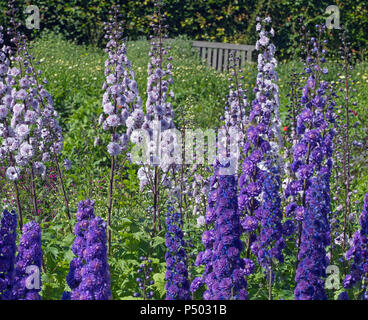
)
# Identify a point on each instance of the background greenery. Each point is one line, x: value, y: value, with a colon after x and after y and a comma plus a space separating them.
x: 212, y: 20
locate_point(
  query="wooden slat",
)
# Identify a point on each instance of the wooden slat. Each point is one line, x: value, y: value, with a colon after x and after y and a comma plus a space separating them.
x: 237, y: 58
x: 242, y: 59
x: 203, y: 53
x: 219, y: 65
x: 249, y: 56
x: 209, y: 57
x: 214, y: 58
x: 226, y: 60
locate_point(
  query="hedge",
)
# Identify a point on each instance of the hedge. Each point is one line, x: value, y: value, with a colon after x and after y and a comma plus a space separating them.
x: 211, y: 20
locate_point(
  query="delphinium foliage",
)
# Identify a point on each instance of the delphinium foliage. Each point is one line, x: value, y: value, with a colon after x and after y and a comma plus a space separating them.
x: 122, y: 105
x: 8, y: 237
x: 144, y: 279
x: 313, y: 158
x: 27, y: 278
x: 89, y: 276
x: 358, y: 254
x: 177, y: 284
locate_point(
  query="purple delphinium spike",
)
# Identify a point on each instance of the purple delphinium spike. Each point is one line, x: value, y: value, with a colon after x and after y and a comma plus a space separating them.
x: 312, y: 154
x: 358, y: 253
x: 27, y: 280
x: 262, y: 162
x: 84, y: 214
x: 8, y: 237
x: 270, y: 242
x: 144, y: 279
x: 225, y: 271
x: 95, y: 274
x: 177, y: 284
x: 311, y: 270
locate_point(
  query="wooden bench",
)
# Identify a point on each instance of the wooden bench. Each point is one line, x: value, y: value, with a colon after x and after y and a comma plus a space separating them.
x: 216, y: 54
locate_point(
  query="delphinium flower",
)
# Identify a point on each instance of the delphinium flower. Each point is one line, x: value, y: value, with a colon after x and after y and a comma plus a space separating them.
x: 237, y: 101
x: 262, y: 159
x: 8, y: 237
x: 85, y: 213
x: 32, y: 130
x: 312, y: 155
x: 27, y: 280
x: 177, y: 284
x: 199, y: 190
x: 358, y: 254
x: 270, y: 242
x: 8, y: 142
x: 161, y: 145
x: 144, y: 279
x: 121, y: 103
x: 311, y: 271
x: 225, y: 271
x: 95, y: 274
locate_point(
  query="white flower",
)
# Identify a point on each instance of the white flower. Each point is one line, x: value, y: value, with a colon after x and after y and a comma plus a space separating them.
x: 30, y: 116
x: 110, y: 79
x: 264, y: 41
x: 22, y: 130
x: 113, y: 121
x: 109, y: 108
x: 18, y: 109
x: 130, y: 122
x: 21, y: 94
x: 12, y: 173
x: 113, y: 149
x: 201, y: 221
x: 20, y: 160
x: 26, y: 150
x: 12, y: 144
